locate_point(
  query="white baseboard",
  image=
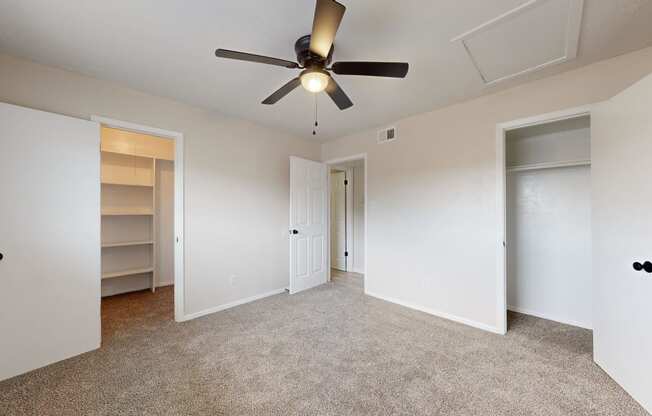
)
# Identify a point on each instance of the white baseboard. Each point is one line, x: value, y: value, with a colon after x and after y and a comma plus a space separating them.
x: 358, y: 270
x: 229, y: 305
x: 439, y: 314
x: 550, y: 317
x: 129, y: 288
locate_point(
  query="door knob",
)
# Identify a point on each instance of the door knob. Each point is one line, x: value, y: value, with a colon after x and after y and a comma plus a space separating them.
x: 295, y: 231
x: 647, y: 266
x: 1, y: 256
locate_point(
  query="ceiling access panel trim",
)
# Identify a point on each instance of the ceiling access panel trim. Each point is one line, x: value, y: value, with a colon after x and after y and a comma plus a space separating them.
x: 573, y: 29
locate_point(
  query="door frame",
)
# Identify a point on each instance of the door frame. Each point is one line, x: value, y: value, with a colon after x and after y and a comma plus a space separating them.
x: 329, y: 163
x: 501, y: 193
x: 179, y: 278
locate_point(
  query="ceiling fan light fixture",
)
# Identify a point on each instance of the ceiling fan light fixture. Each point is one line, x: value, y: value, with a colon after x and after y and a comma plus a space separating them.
x: 314, y: 80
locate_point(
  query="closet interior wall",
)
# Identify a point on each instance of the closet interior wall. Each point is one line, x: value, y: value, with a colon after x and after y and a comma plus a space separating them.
x: 549, y: 221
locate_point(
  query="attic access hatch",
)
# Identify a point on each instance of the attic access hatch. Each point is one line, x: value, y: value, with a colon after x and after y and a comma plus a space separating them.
x: 530, y: 37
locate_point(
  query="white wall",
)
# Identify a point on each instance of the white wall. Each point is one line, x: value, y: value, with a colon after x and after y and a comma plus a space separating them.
x: 549, y: 244
x: 165, y: 212
x: 432, y: 213
x: 568, y: 140
x: 357, y: 240
x: 236, y: 177
x: 358, y: 217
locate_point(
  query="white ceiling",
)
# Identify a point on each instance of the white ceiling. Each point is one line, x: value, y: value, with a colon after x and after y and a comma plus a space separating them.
x: 166, y: 47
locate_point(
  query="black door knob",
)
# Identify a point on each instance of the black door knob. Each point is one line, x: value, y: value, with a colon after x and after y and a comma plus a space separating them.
x: 1, y: 256
x: 295, y: 231
x: 647, y: 266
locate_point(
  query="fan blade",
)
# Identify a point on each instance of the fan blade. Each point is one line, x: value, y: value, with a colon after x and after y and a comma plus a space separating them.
x: 250, y: 57
x: 338, y: 95
x: 328, y: 15
x: 283, y: 91
x: 372, y: 69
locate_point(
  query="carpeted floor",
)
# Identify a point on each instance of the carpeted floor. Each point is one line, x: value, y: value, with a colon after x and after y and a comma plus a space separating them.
x: 327, y: 351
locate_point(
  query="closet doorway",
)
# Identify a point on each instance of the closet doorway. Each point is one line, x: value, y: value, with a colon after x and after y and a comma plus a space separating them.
x: 545, y: 262
x: 347, y: 220
x: 341, y: 219
x: 141, y: 216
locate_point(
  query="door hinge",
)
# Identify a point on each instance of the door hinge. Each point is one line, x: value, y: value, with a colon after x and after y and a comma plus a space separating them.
x: 346, y: 254
x: 346, y: 182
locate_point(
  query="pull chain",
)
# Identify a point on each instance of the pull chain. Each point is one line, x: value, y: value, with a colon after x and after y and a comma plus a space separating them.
x: 314, y: 130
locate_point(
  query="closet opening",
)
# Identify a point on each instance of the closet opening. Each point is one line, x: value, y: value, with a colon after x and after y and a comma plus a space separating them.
x: 141, y: 204
x: 547, y: 220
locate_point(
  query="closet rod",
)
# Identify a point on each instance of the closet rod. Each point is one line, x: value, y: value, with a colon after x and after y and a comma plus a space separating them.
x: 548, y: 165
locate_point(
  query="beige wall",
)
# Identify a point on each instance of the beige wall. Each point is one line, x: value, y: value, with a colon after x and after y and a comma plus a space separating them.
x: 432, y: 209
x: 236, y: 177
x: 358, y: 217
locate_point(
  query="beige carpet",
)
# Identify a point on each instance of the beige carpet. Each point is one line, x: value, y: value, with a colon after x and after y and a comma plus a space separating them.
x: 327, y: 351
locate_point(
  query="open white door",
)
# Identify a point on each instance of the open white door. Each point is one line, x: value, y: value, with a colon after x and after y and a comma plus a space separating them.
x: 308, y: 210
x: 49, y: 238
x: 622, y: 235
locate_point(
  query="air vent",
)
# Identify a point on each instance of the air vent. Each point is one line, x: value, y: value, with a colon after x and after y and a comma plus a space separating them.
x: 387, y: 135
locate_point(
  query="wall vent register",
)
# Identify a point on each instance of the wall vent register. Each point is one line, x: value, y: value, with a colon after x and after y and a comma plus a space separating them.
x: 387, y: 135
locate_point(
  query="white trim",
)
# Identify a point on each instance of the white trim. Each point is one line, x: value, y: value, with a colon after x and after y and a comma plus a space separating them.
x: 496, y: 21
x: 179, y: 254
x: 501, y: 230
x: 535, y: 68
x: 573, y: 31
x: 454, y: 318
x: 233, y: 304
x: 359, y: 156
x: 501, y: 194
x: 574, y: 28
x: 548, y: 165
x: 545, y: 118
x: 550, y: 317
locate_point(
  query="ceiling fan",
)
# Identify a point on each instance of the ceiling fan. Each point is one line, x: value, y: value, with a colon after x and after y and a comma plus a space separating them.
x: 314, y: 54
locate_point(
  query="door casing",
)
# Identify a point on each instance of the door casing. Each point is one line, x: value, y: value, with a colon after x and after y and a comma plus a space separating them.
x: 179, y: 275
x: 501, y: 201
x: 335, y: 161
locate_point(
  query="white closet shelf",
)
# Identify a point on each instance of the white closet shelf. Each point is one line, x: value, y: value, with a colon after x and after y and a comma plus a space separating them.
x: 128, y: 243
x: 127, y: 184
x: 127, y: 211
x: 110, y: 275
x: 128, y: 153
x: 548, y: 165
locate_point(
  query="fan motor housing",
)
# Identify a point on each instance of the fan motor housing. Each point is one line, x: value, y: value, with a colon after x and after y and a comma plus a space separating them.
x: 308, y: 59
